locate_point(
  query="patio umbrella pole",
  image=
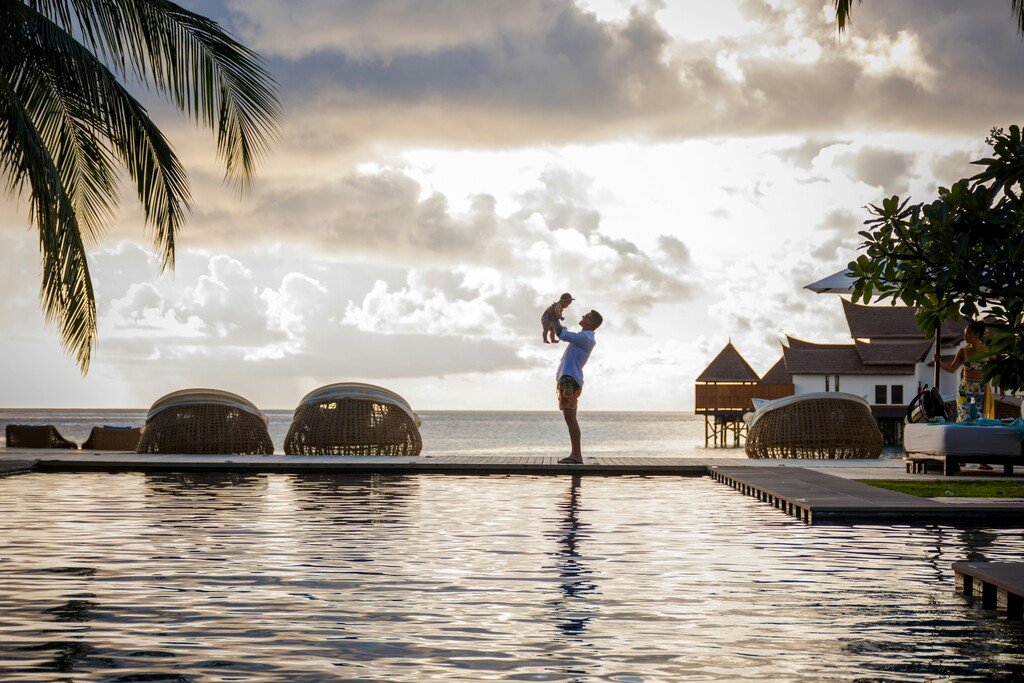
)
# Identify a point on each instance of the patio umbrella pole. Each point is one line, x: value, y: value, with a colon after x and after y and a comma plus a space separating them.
x: 938, y: 368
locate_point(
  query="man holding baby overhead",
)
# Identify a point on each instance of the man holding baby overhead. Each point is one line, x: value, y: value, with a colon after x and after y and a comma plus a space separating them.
x: 569, y: 377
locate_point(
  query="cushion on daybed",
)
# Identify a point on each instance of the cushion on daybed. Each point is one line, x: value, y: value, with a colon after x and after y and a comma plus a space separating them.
x: 962, y: 438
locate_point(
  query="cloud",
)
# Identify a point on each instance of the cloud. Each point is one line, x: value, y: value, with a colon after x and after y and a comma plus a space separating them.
x: 949, y: 168
x: 840, y: 228
x: 551, y: 233
x: 804, y: 154
x: 379, y: 31
x: 424, y: 307
x: 227, y: 326
x: 883, y: 168
x: 400, y: 73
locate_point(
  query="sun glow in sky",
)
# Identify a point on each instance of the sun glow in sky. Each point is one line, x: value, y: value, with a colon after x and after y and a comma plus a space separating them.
x: 446, y: 170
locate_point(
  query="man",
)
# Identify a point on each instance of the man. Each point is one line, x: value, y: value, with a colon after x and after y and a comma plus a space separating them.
x: 569, y: 377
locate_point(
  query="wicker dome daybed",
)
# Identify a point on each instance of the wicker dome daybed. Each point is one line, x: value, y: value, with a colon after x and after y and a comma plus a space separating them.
x: 819, y: 425
x: 353, y: 419
x: 205, y: 421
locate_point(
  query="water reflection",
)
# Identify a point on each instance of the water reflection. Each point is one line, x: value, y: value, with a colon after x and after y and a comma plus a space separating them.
x: 190, y: 484
x: 354, y: 499
x: 77, y: 611
x: 574, y: 607
x: 290, y: 579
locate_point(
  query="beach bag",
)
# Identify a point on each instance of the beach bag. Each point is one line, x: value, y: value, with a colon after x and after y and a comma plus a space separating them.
x: 927, y: 405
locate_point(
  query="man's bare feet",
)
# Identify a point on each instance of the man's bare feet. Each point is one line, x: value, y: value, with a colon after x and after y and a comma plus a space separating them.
x: 571, y: 461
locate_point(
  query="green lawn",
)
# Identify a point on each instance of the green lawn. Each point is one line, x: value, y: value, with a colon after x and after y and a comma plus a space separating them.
x: 937, y: 488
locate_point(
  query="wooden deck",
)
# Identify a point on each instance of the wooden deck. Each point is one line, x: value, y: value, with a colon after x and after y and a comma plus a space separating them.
x: 111, y: 461
x: 817, y: 497
x: 997, y: 585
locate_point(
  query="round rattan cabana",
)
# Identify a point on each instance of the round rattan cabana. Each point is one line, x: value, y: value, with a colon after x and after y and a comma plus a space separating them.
x: 205, y: 421
x: 820, y: 425
x: 351, y: 418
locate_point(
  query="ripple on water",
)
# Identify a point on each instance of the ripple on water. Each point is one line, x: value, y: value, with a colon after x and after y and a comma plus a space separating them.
x: 211, y: 577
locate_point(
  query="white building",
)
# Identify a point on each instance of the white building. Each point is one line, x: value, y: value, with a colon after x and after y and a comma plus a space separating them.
x: 889, y: 361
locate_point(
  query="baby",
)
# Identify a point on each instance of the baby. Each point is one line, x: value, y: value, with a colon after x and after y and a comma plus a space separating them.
x: 551, y: 314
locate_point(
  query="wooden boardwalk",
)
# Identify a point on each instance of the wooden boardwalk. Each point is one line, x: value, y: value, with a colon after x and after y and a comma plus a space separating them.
x: 998, y: 585
x: 110, y: 461
x: 814, y: 496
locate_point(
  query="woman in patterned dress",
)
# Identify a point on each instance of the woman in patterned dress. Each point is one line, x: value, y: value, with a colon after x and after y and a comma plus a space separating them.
x: 974, y: 399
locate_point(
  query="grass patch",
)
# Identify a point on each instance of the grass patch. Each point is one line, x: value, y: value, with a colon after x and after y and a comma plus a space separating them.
x: 937, y: 488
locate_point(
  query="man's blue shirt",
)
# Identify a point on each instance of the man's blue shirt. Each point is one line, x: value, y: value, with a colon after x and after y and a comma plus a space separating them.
x: 576, y: 354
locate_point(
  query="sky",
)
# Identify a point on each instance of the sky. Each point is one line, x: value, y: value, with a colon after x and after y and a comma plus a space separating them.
x: 446, y: 169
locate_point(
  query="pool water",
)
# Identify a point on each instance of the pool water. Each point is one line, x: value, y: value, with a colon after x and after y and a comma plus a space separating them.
x: 190, y: 577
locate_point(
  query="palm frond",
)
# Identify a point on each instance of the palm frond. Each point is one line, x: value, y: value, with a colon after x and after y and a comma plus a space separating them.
x: 66, y: 121
x: 208, y: 74
x: 110, y: 117
x: 66, y: 291
x: 222, y: 83
x: 843, y: 8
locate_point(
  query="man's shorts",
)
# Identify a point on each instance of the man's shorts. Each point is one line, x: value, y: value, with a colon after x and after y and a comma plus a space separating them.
x: 568, y: 393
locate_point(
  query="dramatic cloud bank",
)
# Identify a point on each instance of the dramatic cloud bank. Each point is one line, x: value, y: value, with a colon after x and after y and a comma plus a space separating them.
x: 447, y: 169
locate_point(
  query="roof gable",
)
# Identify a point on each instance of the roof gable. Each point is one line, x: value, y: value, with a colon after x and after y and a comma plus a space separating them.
x: 777, y: 374
x: 728, y: 366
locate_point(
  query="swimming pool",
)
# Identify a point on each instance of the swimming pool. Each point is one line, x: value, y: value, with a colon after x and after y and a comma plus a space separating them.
x: 199, y: 577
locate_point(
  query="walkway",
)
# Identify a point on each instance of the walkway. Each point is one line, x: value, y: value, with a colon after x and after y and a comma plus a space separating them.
x: 815, y: 496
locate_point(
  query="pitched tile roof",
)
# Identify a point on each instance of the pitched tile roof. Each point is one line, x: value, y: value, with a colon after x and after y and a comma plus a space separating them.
x: 728, y: 366
x: 891, y: 322
x: 805, y: 358
x: 777, y: 374
x: 892, y: 353
x: 794, y: 343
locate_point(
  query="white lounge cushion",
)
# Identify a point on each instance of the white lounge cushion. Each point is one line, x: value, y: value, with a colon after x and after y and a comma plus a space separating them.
x: 954, y: 438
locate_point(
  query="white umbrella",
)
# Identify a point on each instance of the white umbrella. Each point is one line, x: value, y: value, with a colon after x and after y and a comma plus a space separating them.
x: 837, y: 283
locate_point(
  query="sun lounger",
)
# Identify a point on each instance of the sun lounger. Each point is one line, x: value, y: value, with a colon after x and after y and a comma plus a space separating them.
x: 36, y: 436
x: 353, y: 419
x: 954, y: 443
x: 107, y: 438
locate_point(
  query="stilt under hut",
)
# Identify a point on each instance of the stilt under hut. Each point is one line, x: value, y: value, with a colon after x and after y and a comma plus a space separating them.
x: 724, y: 391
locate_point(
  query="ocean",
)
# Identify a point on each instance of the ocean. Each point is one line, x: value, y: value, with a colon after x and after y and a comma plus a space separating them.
x: 497, y: 433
